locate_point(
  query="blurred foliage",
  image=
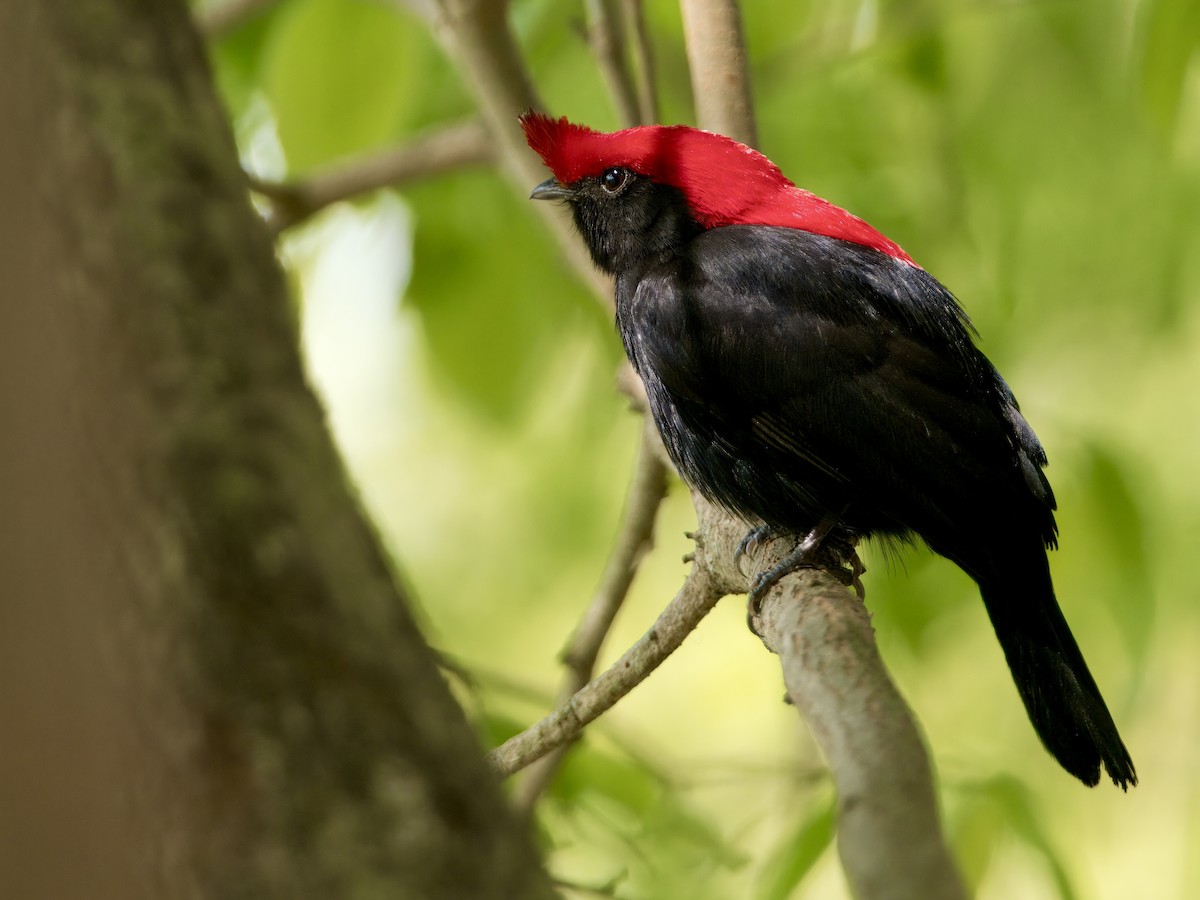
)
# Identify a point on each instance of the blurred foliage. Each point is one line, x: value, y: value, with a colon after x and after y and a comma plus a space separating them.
x: 1042, y: 158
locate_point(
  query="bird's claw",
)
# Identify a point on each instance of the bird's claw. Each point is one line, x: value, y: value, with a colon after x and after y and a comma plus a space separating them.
x: 752, y: 542
x: 808, y: 554
x: 764, y: 581
x: 856, y: 570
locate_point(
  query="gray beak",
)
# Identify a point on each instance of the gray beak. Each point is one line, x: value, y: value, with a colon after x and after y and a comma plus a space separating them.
x: 550, y: 189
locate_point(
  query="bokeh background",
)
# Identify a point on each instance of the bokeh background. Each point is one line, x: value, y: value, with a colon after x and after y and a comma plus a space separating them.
x: 1041, y: 158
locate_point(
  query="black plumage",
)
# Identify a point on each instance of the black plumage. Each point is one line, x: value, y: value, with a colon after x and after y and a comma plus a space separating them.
x: 799, y: 378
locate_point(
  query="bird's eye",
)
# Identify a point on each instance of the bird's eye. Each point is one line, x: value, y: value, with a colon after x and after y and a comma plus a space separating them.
x: 612, y: 180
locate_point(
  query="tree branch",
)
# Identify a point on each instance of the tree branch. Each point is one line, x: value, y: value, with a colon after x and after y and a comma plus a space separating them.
x: 477, y: 35
x: 889, y: 829
x: 606, y: 39
x: 647, y: 95
x: 449, y: 147
x: 717, y: 60
x: 635, y: 538
x: 694, y: 601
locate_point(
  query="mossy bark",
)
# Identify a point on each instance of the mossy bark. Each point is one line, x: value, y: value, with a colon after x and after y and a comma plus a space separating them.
x: 213, y: 685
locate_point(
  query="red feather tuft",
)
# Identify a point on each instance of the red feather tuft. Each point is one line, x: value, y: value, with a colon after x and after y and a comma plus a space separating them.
x: 724, y: 182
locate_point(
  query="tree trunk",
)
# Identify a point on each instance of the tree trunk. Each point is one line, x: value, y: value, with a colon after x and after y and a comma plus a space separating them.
x: 210, y: 685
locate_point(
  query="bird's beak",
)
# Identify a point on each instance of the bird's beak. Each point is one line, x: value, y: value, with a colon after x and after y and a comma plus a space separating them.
x: 550, y: 189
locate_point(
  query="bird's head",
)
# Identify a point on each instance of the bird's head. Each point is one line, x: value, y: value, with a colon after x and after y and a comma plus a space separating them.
x: 639, y: 194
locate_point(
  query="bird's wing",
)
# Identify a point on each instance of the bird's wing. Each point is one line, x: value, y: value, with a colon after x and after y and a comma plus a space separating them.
x: 850, y: 371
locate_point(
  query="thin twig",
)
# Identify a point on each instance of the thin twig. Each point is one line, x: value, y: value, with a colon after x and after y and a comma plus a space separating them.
x: 635, y: 538
x: 214, y: 21
x: 694, y: 601
x: 607, y: 42
x: 717, y: 59
x: 477, y: 35
x: 643, y: 58
x: 446, y: 148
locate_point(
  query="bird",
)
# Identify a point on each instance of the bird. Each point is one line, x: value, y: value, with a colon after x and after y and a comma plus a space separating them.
x: 809, y: 377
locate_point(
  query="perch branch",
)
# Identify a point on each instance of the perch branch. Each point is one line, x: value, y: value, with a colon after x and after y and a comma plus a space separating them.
x: 889, y: 829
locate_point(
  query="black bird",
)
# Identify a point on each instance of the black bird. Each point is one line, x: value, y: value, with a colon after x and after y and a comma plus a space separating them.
x: 806, y: 374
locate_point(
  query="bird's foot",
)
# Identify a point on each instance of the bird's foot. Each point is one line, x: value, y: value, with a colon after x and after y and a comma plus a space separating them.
x: 753, y: 542
x: 818, y: 550
x: 803, y: 556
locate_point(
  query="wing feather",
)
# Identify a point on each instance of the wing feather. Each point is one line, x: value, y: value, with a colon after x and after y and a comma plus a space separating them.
x: 776, y: 401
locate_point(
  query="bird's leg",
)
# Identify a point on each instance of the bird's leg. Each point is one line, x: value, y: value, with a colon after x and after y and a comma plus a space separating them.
x: 803, y: 557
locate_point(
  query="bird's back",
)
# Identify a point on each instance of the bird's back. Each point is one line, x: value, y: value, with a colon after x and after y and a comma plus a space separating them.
x: 796, y: 376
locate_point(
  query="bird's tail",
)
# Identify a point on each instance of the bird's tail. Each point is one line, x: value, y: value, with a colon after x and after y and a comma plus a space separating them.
x: 1058, y: 691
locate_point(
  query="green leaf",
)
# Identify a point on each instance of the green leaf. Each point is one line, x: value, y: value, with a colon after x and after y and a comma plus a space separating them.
x: 338, y: 75
x: 648, y: 805
x: 1000, y: 806
x: 911, y: 590
x: 496, y: 728
x: 1108, y: 513
x: 1020, y: 810
x: 796, y: 857
x: 588, y: 771
x: 976, y: 829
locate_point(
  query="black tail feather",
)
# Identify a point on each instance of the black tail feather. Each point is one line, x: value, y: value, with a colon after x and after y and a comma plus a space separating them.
x: 1059, y: 693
